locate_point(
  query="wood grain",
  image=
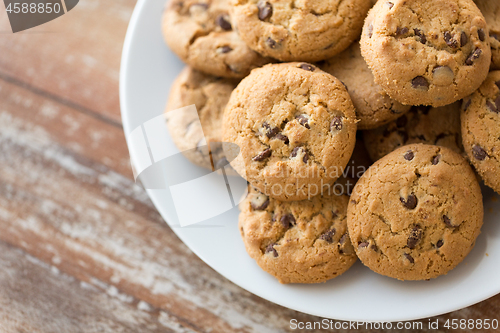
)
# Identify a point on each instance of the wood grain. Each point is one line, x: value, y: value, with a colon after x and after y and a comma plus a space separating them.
x: 82, y: 248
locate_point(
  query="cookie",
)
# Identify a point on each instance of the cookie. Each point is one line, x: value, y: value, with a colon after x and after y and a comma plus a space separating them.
x: 427, y: 52
x: 481, y: 130
x: 295, y: 126
x: 373, y: 106
x: 491, y: 12
x: 210, y: 95
x: 201, y: 33
x: 433, y: 126
x: 416, y: 213
x: 299, y: 31
x: 297, y: 242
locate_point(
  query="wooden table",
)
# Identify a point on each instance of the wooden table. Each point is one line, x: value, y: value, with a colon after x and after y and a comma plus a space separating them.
x: 82, y: 249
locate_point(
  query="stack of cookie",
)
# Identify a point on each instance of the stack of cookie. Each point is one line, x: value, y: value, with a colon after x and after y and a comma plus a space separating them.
x: 312, y: 92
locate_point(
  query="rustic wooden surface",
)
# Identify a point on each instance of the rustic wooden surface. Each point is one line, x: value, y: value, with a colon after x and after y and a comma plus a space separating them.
x: 82, y: 248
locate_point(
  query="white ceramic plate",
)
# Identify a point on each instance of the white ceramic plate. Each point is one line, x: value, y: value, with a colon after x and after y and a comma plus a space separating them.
x: 148, y: 69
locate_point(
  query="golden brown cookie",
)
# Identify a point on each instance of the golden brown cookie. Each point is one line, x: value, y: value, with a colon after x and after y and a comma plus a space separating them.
x: 306, y: 30
x: 373, y: 106
x: 210, y: 95
x: 416, y: 213
x: 202, y: 34
x: 481, y: 130
x: 491, y: 12
x: 423, y: 124
x: 297, y: 242
x: 295, y: 126
x: 427, y: 52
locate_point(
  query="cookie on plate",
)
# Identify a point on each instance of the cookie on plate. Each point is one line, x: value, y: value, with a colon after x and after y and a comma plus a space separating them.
x: 491, y: 12
x: 427, y: 52
x: 295, y: 127
x: 416, y: 213
x: 297, y: 242
x: 202, y: 34
x: 423, y: 124
x: 373, y: 106
x: 481, y: 130
x: 210, y: 95
x: 299, y: 30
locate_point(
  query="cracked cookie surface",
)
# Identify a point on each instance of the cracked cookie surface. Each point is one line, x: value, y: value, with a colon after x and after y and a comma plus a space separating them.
x: 491, y: 12
x: 373, y: 106
x: 427, y: 52
x: 202, y: 34
x: 433, y: 126
x: 481, y: 130
x: 306, y: 30
x: 295, y: 126
x: 210, y: 94
x: 297, y: 242
x: 416, y: 213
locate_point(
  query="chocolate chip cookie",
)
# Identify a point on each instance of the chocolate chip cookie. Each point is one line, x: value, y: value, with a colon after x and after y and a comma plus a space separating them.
x: 373, y: 106
x: 297, y: 242
x: 299, y: 30
x: 491, y: 12
x: 423, y: 124
x: 202, y: 34
x: 295, y: 126
x: 416, y: 213
x: 210, y: 95
x: 481, y: 130
x: 427, y: 52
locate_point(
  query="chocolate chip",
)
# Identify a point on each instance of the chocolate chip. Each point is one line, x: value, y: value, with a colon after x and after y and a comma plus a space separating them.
x: 303, y: 120
x: 490, y: 104
x: 439, y: 244
x: 410, y: 258
x: 222, y: 21
x: 420, y: 83
x: 389, y: 4
x: 473, y: 57
x: 287, y: 221
x: 409, y: 203
x: 362, y: 245
x: 463, y: 39
x: 343, y: 238
x: 466, y: 104
x: 271, y: 43
x: 421, y: 35
x: 297, y: 150
x: 481, y: 35
x: 328, y: 236
x: 270, y: 248
x: 374, y: 247
x: 450, y: 41
x: 401, y: 121
x: 336, y: 124
x: 224, y: 49
x: 414, y: 238
x: 401, y: 31
x: 435, y: 159
x: 370, y: 30
x: 259, y: 202
x: 270, y: 131
x: 265, y: 10
x: 479, y: 153
x: 283, y: 138
x: 447, y: 221
x: 262, y: 156
x: 409, y: 155
x: 307, y: 67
